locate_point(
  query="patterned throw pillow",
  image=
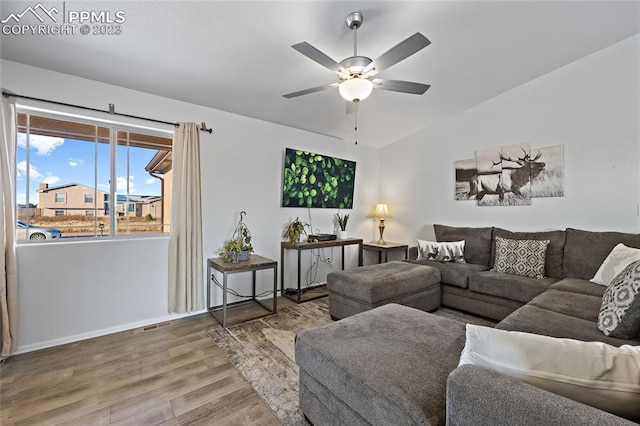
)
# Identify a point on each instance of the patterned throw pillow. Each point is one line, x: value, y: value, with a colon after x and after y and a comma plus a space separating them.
x: 620, y: 310
x: 441, y: 252
x: 520, y: 257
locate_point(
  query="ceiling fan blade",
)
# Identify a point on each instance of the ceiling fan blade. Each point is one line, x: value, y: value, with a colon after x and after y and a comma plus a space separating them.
x: 397, y: 53
x: 401, y: 86
x: 315, y: 55
x: 311, y: 90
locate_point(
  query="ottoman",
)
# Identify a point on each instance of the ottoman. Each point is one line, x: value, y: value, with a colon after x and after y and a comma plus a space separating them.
x: 386, y: 366
x: 361, y: 289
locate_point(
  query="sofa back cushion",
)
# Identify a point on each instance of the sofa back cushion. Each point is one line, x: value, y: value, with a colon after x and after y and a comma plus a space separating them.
x: 555, y: 248
x: 477, y: 247
x: 584, y: 251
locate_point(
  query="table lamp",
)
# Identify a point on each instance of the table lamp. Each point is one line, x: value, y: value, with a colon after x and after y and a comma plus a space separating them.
x: 382, y: 213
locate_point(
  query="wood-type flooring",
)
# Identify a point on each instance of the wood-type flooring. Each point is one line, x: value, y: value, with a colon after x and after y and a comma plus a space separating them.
x: 172, y: 374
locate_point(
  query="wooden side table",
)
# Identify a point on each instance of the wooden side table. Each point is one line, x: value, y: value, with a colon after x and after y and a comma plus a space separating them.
x: 385, y: 249
x: 298, y: 247
x: 255, y: 263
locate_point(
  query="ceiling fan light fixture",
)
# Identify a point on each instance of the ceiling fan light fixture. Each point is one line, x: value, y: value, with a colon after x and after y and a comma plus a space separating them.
x: 355, y: 89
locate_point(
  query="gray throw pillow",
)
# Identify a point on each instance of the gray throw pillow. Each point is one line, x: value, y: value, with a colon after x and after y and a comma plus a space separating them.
x: 520, y: 257
x: 620, y: 310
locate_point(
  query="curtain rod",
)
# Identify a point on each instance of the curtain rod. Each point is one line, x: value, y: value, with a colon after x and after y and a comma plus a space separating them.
x: 203, y: 126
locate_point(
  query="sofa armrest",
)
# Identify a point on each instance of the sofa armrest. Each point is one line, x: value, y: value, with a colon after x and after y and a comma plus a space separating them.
x: 477, y: 396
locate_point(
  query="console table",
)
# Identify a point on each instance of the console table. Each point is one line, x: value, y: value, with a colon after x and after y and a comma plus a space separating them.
x: 386, y: 248
x: 298, y: 247
x: 255, y: 263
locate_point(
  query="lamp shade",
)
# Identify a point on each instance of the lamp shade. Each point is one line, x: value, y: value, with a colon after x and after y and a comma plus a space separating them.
x: 355, y: 89
x: 381, y: 211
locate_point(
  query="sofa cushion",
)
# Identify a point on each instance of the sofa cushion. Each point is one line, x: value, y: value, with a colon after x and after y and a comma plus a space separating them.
x: 514, y: 287
x: 620, y: 311
x: 477, y: 247
x: 520, y: 257
x: 620, y: 257
x: 533, y: 319
x: 574, y: 304
x: 584, y: 251
x: 594, y: 373
x: 456, y: 274
x: 441, y: 251
x: 578, y: 285
x: 555, y: 249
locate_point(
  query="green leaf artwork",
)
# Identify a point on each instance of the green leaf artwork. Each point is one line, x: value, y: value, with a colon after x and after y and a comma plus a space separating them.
x: 317, y: 181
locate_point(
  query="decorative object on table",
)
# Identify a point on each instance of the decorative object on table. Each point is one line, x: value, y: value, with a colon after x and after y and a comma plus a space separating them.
x: 342, y: 220
x: 295, y: 230
x: 510, y: 175
x: 381, y: 212
x: 239, y: 247
x: 317, y: 181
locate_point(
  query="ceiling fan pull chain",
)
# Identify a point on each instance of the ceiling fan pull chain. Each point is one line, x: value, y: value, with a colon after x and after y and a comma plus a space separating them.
x: 356, y: 126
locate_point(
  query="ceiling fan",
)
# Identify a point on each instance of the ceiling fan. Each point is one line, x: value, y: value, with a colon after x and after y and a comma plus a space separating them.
x: 356, y: 73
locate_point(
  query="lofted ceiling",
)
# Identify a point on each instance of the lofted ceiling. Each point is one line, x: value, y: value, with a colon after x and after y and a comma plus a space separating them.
x: 236, y: 56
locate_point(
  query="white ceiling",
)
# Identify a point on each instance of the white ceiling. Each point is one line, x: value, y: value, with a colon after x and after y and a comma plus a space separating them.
x: 236, y: 56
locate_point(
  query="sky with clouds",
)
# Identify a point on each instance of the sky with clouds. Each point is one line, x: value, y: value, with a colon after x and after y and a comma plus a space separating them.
x: 59, y: 161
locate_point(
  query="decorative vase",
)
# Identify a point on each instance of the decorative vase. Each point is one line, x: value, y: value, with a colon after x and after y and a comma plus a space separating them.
x: 243, y: 256
x: 343, y: 235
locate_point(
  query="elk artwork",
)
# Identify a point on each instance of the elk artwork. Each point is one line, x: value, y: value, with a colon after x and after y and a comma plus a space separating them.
x: 512, y: 178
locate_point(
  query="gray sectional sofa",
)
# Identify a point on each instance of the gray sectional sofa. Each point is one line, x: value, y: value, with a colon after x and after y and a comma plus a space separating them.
x: 564, y: 304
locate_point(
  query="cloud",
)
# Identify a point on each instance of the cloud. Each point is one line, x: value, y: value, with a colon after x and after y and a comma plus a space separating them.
x: 34, y: 174
x: 21, y: 168
x: 21, y: 198
x: 151, y: 181
x: 44, y: 145
x: 121, y: 184
x: 51, y: 179
x: 75, y: 162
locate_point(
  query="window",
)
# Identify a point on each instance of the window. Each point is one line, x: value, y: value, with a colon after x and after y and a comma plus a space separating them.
x: 84, y: 165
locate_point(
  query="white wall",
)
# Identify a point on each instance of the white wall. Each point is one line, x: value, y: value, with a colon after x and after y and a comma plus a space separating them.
x: 591, y: 107
x: 76, y: 290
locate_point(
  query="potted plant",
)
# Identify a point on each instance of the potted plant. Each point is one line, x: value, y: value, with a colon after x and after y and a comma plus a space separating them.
x: 239, y: 247
x: 342, y: 220
x: 294, y: 230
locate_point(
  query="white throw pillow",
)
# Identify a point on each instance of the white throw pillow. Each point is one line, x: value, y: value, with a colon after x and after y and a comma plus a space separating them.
x: 620, y: 257
x: 594, y: 373
x: 441, y: 251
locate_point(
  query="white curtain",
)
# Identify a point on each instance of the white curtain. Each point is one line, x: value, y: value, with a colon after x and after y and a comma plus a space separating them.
x: 8, y: 262
x: 186, y: 292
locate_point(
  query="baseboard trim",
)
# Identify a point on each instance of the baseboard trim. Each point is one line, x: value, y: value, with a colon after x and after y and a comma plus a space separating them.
x: 102, y: 332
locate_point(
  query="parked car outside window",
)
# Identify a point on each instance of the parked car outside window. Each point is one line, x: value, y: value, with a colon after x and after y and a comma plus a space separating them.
x: 35, y: 233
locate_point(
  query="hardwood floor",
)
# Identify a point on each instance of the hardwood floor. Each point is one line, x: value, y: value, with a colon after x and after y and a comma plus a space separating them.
x: 170, y: 375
